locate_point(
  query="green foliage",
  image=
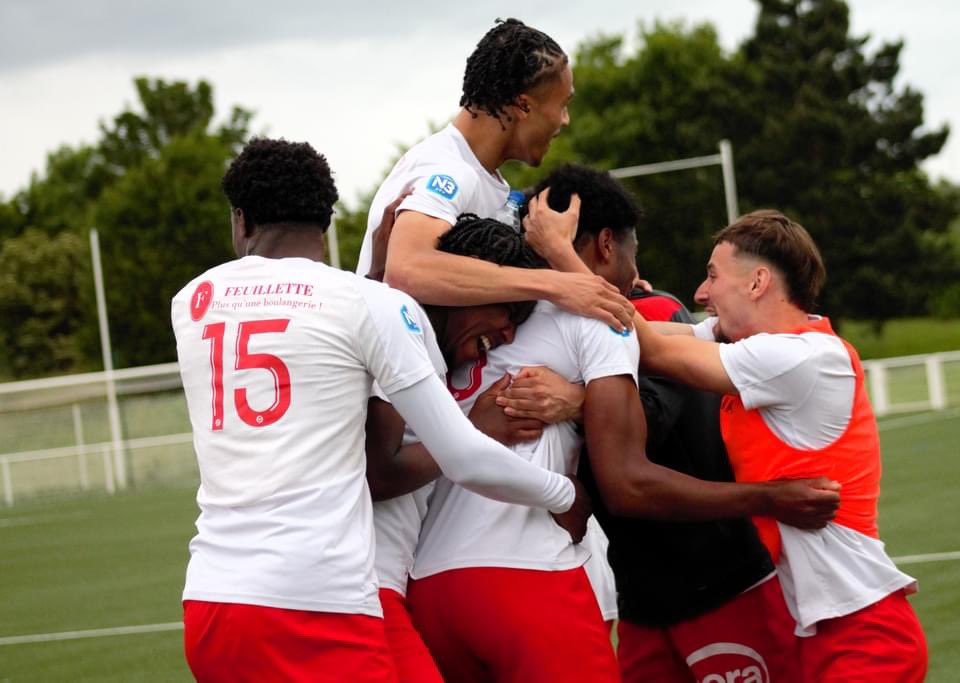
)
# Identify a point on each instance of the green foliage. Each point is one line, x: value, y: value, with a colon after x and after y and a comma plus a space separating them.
x: 151, y: 186
x: 43, y: 281
x: 162, y: 223
x: 819, y: 131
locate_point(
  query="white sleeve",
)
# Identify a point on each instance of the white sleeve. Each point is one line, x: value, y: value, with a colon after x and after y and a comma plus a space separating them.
x: 604, y: 352
x: 470, y: 458
x: 391, y: 337
x: 771, y: 369
x: 441, y: 191
x: 706, y: 329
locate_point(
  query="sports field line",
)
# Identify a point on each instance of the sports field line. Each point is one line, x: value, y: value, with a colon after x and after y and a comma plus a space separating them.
x: 929, y: 557
x: 922, y: 418
x: 92, y: 633
x: 39, y: 519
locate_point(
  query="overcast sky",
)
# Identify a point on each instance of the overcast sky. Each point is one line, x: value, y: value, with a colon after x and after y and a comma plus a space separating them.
x: 354, y: 78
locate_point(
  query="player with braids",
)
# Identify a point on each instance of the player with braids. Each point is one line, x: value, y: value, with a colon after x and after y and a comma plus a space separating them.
x: 490, y: 240
x: 401, y: 477
x: 511, y: 59
x: 516, y: 88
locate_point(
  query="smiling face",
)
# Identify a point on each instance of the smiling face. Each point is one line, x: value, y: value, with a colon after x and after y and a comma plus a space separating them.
x: 472, y: 330
x: 726, y: 291
x: 545, y: 116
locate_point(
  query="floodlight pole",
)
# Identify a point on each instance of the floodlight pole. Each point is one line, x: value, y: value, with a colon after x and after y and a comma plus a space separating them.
x: 113, y: 411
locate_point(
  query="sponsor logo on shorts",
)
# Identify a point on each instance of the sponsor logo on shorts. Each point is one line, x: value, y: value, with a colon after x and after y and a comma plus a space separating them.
x: 443, y: 185
x: 625, y: 333
x: 728, y: 663
x: 408, y: 319
x: 200, y: 301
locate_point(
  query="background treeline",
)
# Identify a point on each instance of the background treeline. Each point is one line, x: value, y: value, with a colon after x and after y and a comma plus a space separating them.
x: 820, y: 130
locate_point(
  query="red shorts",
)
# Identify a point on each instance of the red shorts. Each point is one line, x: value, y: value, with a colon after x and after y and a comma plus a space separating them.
x: 748, y: 638
x: 522, y: 625
x: 881, y: 642
x: 410, y: 656
x: 239, y: 643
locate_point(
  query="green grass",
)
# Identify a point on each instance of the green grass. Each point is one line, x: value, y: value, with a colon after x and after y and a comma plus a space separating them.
x: 903, y: 337
x: 91, y: 562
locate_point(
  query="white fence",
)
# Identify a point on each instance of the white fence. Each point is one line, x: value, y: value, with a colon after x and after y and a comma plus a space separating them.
x: 55, y: 434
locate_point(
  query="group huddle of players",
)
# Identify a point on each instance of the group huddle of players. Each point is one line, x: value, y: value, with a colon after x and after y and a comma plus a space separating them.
x: 468, y: 471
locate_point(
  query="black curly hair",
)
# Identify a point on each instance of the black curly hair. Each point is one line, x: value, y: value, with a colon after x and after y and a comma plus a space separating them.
x: 511, y: 59
x: 497, y: 242
x: 604, y: 202
x: 275, y: 181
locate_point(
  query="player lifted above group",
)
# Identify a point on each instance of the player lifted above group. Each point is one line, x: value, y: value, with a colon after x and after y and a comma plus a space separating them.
x: 397, y: 478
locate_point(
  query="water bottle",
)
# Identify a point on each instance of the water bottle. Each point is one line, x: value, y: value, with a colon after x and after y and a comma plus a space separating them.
x: 514, y: 201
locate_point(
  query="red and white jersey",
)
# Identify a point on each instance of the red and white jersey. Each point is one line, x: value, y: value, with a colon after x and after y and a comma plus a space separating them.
x: 277, y: 358
x: 446, y: 180
x: 463, y: 529
x: 807, y: 389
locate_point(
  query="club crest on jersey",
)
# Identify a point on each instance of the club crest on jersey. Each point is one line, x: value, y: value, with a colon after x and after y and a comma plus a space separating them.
x: 625, y: 333
x: 443, y: 185
x: 408, y: 319
x: 200, y: 301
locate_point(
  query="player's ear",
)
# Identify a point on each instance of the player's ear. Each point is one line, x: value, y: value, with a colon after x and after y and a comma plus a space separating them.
x: 522, y: 106
x: 762, y: 279
x: 605, y: 244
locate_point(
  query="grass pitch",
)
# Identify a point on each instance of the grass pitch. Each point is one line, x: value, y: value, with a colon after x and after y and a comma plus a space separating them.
x: 99, y: 562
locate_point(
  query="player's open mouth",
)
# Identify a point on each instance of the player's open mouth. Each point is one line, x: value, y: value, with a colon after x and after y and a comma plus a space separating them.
x: 484, y: 343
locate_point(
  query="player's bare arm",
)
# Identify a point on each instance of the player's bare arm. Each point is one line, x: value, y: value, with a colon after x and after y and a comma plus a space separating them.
x: 381, y: 238
x: 541, y: 394
x: 393, y: 470
x: 632, y: 486
x: 415, y: 266
x: 683, y: 357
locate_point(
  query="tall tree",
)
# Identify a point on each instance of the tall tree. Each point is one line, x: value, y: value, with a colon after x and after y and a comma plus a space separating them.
x: 828, y: 137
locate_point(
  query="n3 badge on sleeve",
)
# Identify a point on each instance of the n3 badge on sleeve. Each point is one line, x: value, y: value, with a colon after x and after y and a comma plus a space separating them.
x: 443, y: 185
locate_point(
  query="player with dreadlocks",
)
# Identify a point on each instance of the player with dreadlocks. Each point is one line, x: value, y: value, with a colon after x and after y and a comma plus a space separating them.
x: 516, y: 88
x: 399, y: 469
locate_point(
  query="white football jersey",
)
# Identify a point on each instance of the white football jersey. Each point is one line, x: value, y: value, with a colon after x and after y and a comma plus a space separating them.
x: 397, y: 521
x: 446, y: 179
x: 463, y: 529
x: 277, y: 358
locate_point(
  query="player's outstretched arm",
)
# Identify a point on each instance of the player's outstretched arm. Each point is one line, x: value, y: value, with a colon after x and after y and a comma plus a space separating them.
x: 632, y: 486
x: 415, y: 266
x: 683, y: 357
x: 472, y: 459
x: 394, y: 470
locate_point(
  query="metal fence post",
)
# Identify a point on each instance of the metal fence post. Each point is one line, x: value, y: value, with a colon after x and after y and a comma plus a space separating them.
x: 81, y: 447
x: 7, y: 483
x: 935, y: 383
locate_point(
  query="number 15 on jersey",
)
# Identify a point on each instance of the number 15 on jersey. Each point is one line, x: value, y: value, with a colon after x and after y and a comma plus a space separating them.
x: 215, y: 334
